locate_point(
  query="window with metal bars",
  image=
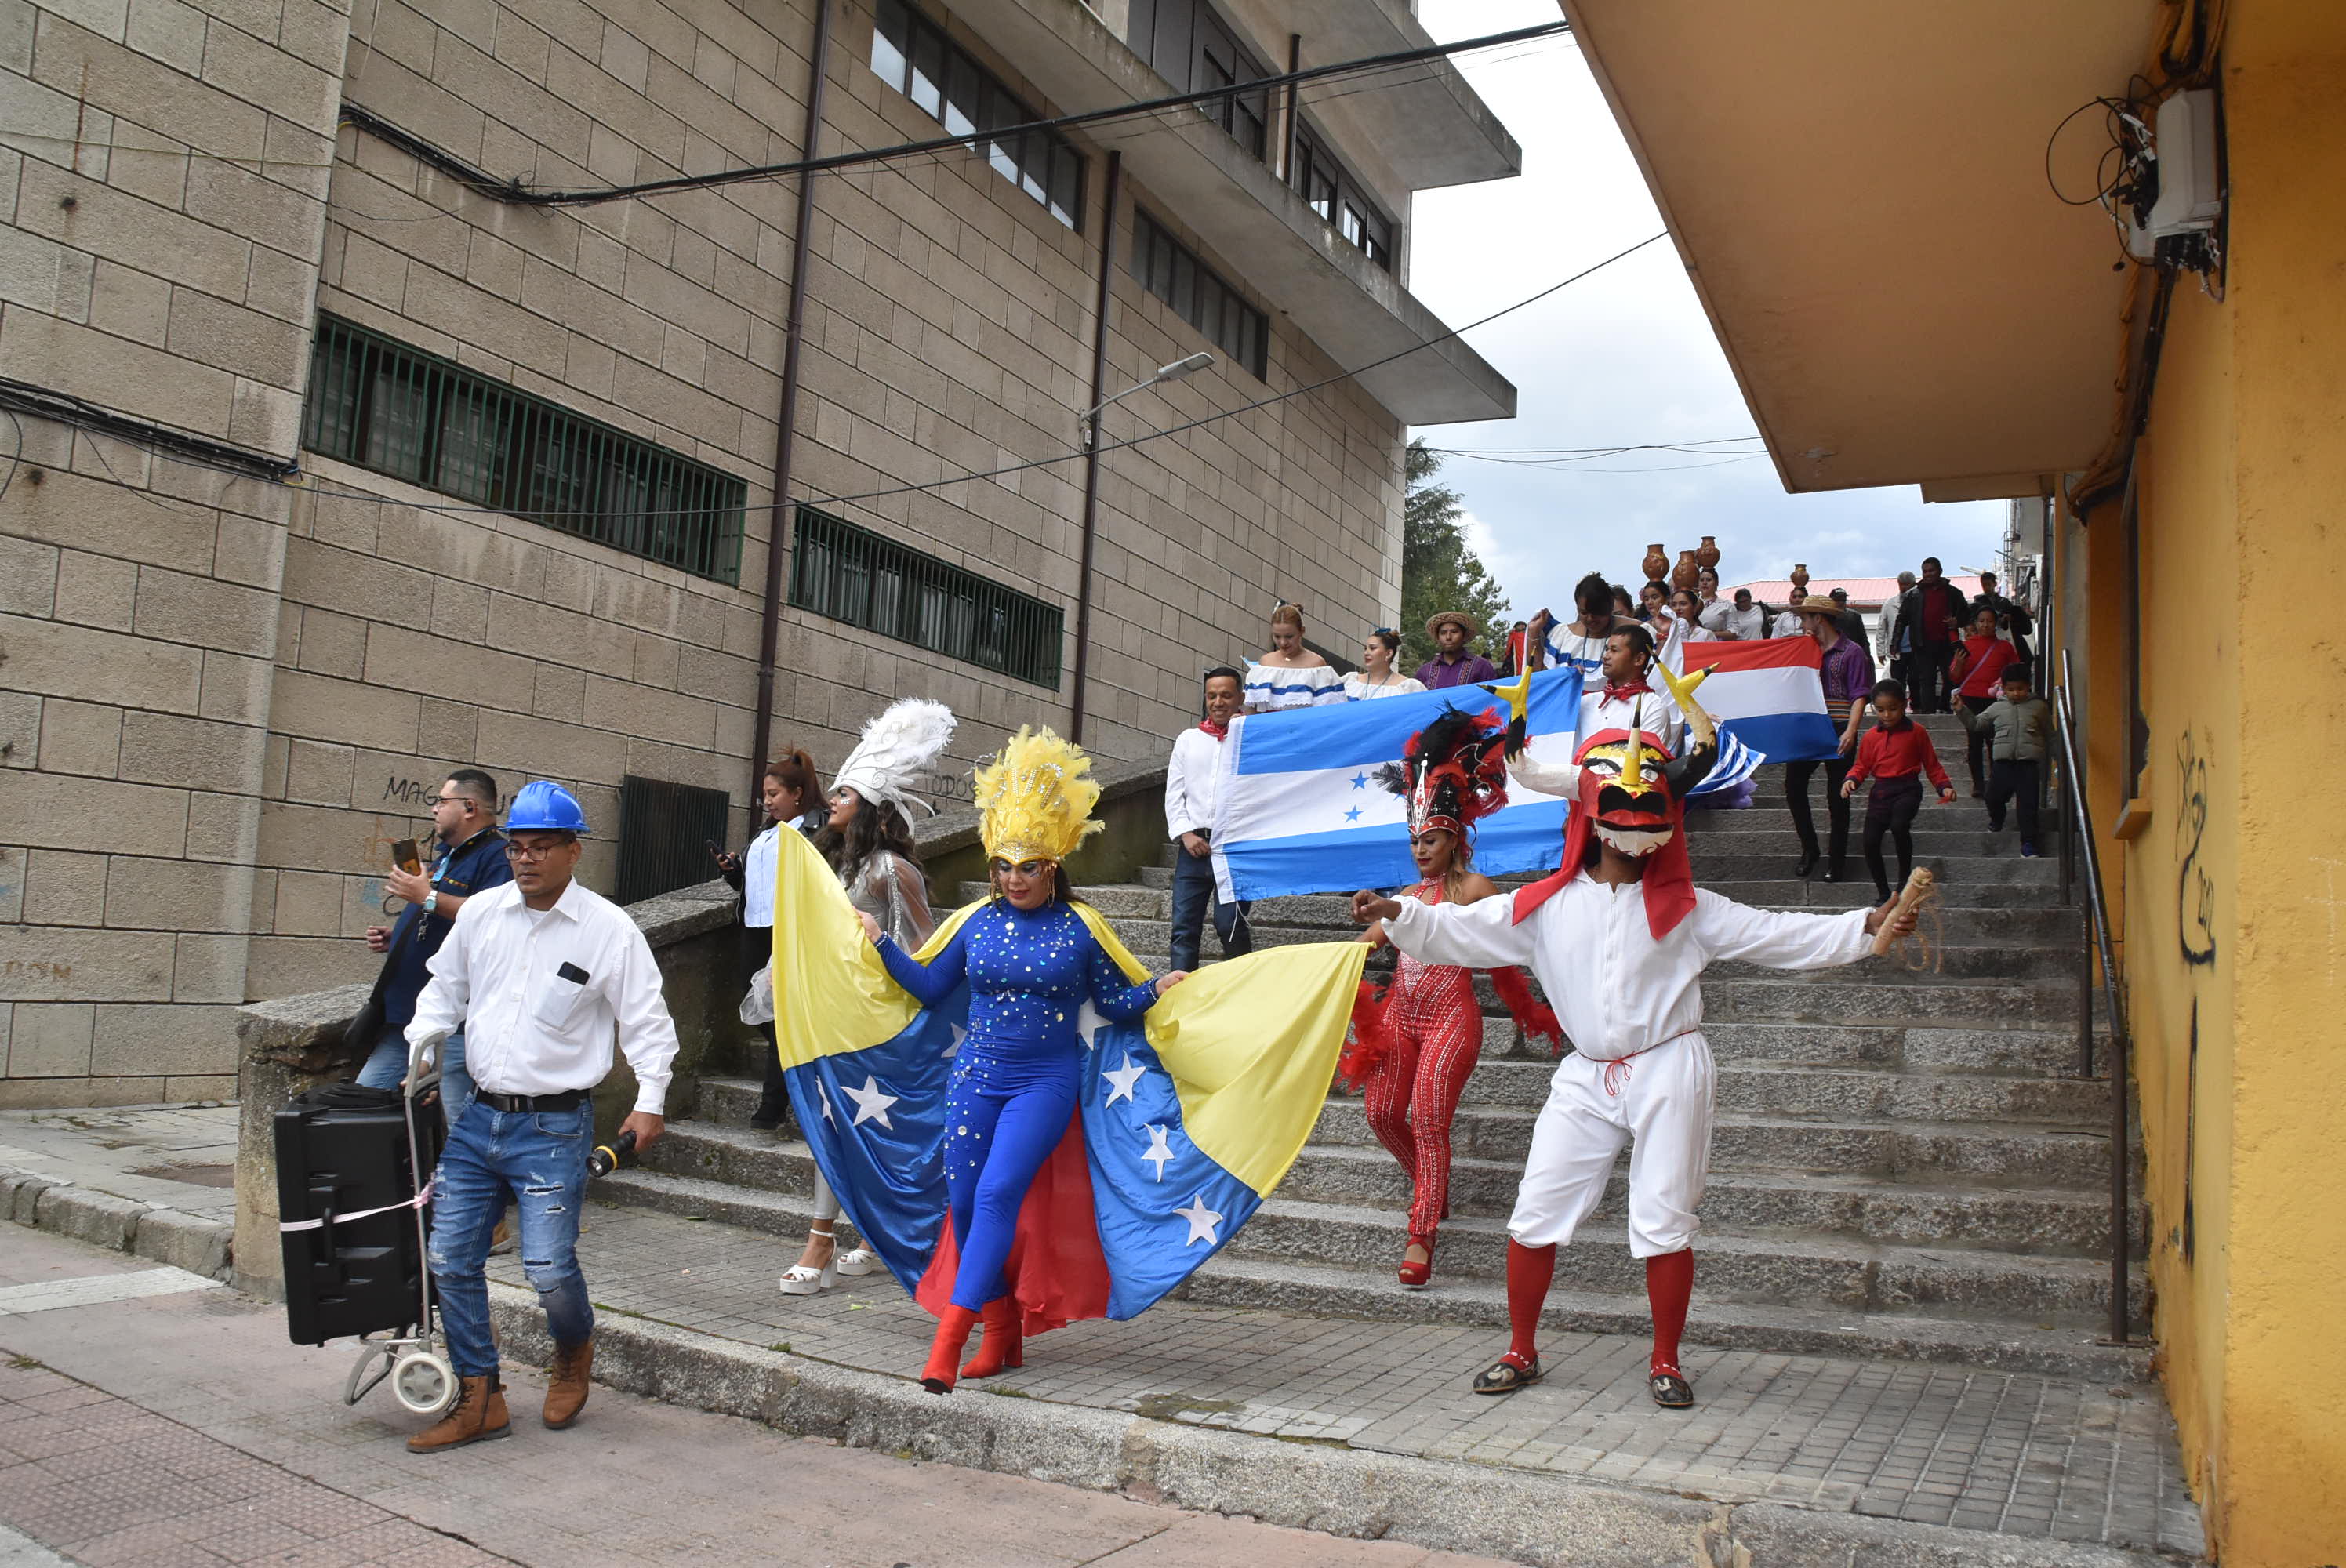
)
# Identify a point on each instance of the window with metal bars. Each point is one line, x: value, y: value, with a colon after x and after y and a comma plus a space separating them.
x: 1171, y: 270
x: 912, y: 55
x: 849, y: 574
x: 378, y: 403
x: 665, y: 832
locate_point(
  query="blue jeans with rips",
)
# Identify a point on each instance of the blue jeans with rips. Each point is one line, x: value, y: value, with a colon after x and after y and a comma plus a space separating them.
x: 538, y: 1158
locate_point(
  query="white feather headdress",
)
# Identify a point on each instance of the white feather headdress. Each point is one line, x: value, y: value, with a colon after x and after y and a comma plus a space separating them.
x: 896, y: 752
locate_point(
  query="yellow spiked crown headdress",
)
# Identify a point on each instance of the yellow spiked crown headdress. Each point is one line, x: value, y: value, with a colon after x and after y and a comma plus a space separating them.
x: 1035, y: 797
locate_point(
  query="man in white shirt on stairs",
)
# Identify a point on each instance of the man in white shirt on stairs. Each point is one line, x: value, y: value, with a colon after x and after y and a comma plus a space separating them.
x: 1193, y: 793
x: 540, y: 974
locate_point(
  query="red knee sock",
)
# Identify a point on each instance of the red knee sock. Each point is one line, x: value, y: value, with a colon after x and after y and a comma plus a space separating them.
x: 1530, y: 1270
x: 1669, y: 1286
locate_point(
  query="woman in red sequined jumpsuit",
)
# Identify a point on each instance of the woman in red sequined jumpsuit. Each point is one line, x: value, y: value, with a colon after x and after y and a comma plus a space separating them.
x: 1414, y: 1049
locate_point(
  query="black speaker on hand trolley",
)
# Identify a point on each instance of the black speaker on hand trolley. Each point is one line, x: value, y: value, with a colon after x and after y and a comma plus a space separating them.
x: 345, y: 1150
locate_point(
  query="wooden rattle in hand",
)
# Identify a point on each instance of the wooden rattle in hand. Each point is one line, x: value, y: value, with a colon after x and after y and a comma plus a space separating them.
x: 1917, y: 889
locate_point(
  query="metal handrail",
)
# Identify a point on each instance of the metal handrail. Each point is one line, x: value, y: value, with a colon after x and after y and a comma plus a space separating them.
x: 2095, y: 911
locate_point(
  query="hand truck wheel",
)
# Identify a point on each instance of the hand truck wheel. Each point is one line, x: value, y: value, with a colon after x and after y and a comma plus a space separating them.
x: 424, y: 1382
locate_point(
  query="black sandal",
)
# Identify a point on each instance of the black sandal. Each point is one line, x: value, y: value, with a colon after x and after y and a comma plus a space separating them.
x: 1670, y: 1391
x: 1507, y: 1374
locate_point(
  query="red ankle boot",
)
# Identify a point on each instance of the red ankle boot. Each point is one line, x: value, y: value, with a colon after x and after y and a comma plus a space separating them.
x: 1004, y: 1345
x: 1415, y: 1276
x: 944, y: 1351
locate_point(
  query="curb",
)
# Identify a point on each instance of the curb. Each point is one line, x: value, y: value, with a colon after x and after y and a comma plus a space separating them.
x: 1321, y: 1486
x: 159, y: 1234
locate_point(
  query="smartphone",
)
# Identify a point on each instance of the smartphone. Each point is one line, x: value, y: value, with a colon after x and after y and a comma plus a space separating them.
x: 403, y: 855
x: 716, y: 850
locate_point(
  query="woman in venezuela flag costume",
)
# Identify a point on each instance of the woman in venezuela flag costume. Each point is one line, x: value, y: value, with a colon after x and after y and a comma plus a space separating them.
x: 1050, y: 1135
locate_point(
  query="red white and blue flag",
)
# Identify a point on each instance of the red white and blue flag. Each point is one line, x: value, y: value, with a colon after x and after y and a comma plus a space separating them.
x: 1768, y: 696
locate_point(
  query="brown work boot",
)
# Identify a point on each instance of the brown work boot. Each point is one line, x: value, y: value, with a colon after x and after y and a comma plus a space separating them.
x: 478, y: 1414
x: 565, y: 1383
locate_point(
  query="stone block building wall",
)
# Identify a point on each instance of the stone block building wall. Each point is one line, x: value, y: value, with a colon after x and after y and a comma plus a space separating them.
x: 163, y: 175
x: 226, y: 696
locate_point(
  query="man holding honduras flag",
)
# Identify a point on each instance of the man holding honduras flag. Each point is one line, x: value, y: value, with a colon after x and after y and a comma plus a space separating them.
x: 1025, y: 1127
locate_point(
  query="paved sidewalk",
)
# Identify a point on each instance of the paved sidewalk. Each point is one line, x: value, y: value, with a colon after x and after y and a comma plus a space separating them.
x: 178, y: 1156
x: 164, y: 1421
x: 2025, y: 1456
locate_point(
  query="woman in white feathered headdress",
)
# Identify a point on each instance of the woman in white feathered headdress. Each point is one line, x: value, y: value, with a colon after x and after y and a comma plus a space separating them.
x: 868, y: 839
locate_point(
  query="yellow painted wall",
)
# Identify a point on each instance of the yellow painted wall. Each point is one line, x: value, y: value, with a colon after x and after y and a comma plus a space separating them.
x: 2235, y: 897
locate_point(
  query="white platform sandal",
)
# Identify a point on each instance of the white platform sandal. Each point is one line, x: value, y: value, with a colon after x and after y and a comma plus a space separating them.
x: 862, y: 1260
x: 798, y: 1279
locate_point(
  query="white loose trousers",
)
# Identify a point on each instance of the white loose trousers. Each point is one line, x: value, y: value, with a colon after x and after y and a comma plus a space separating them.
x: 1663, y: 1112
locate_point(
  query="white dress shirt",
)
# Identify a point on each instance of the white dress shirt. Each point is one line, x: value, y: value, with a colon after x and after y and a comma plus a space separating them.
x: 1748, y: 625
x: 529, y: 1027
x: 757, y: 877
x: 1616, y: 989
x: 1654, y: 711
x: 1193, y: 783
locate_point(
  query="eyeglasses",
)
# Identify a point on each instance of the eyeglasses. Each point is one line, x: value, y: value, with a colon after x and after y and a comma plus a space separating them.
x: 535, y: 852
x: 453, y: 800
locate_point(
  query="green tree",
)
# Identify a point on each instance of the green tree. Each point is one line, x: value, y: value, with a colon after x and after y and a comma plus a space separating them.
x: 1438, y: 570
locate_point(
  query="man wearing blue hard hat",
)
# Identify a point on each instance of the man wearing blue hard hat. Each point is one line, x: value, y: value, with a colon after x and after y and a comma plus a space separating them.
x: 540, y: 974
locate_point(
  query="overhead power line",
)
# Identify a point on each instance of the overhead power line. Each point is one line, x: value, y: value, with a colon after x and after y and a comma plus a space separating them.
x: 516, y: 192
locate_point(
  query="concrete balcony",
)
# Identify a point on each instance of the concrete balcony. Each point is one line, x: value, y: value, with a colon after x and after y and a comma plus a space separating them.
x: 1280, y: 249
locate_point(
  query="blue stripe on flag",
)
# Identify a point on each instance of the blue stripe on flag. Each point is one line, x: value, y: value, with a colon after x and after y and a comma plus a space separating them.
x: 1736, y: 762
x: 1365, y: 734
x: 1785, y: 736
x: 1526, y: 838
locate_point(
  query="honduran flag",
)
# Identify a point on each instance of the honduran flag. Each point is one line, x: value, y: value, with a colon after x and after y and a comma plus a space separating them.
x: 1767, y: 695
x: 1302, y: 811
x: 1185, y: 1119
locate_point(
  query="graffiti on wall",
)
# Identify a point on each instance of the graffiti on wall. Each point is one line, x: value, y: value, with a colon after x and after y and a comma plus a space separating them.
x: 2195, y: 889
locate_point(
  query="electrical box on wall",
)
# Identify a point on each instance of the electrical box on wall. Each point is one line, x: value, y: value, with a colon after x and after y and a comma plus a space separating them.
x: 2179, y: 226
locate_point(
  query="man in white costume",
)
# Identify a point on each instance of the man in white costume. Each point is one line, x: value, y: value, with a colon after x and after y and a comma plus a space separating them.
x: 1620, y: 938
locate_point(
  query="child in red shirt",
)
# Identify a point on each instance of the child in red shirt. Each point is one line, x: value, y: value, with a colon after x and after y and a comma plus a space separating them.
x: 1977, y: 672
x: 1895, y: 754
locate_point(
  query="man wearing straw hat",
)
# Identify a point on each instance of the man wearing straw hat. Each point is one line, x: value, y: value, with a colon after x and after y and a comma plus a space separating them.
x: 1454, y: 666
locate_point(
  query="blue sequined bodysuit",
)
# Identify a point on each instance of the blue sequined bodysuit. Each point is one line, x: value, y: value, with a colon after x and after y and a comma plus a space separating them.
x: 1013, y: 1088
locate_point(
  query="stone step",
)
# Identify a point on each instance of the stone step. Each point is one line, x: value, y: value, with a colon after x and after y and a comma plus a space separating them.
x: 2000, y: 1155
x: 1816, y: 1271
x: 1151, y: 941
x: 1890, y: 1211
x: 1330, y: 914
x: 2067, y: 1350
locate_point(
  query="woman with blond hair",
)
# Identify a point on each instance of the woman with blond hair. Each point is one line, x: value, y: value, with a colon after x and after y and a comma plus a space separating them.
x: 1288, y: 674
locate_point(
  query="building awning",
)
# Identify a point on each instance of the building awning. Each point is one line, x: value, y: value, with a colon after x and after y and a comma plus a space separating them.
x: 1858, y: 190
x: 1280, y: 251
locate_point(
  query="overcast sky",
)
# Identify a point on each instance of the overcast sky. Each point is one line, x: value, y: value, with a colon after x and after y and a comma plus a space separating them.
x: 1625, y: 357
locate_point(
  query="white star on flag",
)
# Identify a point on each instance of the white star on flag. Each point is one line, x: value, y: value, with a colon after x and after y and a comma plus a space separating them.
x: 870, y: 1104
x: 1087, y: 1023
x: 823, y: 1096
x: 1158, y: 1150
x: 1205, y: 1225
x: 959, y: 1034
x: 1124, y: 1078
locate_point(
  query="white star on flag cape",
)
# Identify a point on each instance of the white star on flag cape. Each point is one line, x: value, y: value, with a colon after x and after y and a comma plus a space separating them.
x: 1205, y: 1225
x: 870, y: 1104
x: 1124, y: 1078
x: 1158, y: 1150
x: 1087, y: 1023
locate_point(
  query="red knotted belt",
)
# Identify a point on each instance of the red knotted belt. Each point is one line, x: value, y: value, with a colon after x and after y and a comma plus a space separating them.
x: 1614, y: 1083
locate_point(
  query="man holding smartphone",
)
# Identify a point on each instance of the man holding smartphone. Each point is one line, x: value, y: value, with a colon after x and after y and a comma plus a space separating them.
x: 468, y: 857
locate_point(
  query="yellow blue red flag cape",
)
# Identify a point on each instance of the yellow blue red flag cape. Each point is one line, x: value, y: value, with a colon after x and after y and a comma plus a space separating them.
x: 1184, y: 1122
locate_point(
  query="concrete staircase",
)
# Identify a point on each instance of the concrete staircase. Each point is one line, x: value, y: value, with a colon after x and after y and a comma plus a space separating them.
x: 1905, y: 1166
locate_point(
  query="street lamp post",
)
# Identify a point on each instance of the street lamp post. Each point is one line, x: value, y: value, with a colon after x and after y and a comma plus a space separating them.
x: 1090, y: 426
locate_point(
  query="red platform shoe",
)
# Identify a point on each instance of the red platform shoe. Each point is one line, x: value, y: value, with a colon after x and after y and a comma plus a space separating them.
x: 1417, y: 1275
x: 944, y: 1350
x: 1004, y: 1345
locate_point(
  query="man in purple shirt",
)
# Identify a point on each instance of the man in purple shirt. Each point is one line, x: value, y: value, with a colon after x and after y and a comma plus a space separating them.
x: 1846, y: 671
x: 1454, y: 666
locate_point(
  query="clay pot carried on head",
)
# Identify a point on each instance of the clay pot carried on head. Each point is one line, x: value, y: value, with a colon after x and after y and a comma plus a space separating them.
x: 1656, y: 563
x: 1685, y: 574
x: 1801, y: 579
x: 1708, y: 554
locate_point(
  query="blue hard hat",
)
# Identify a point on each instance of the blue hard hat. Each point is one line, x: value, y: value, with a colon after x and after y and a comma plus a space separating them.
x: 544, y: 807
